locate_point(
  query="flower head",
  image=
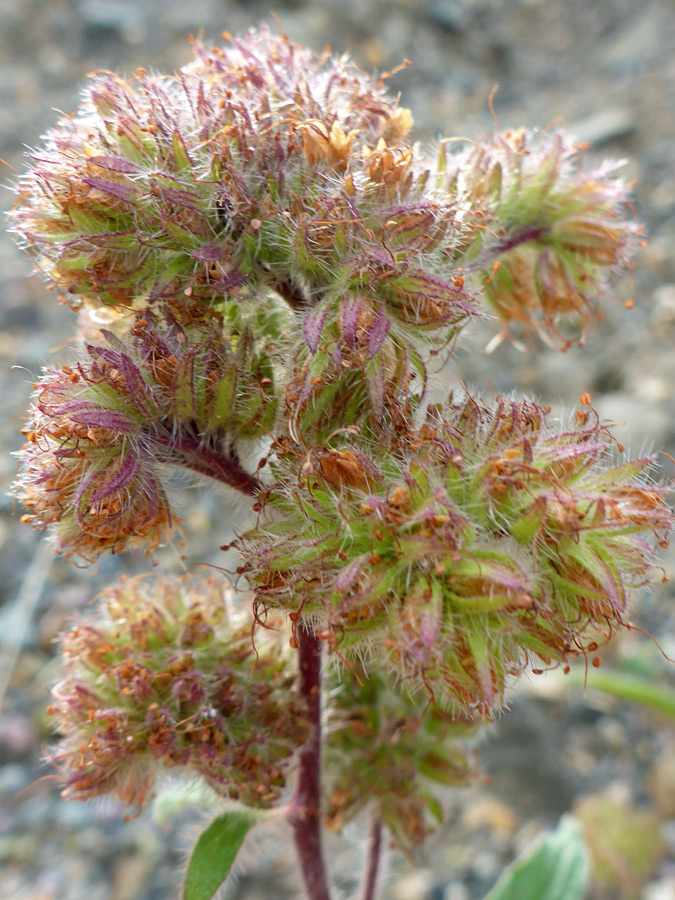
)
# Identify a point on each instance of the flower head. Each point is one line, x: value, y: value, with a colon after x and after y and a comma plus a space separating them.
x: 547, y: 236
x: 156, y: 394
x: 391, y: 752
x: 463, y: 551
x: 257, y: 167
x: 166, y: 681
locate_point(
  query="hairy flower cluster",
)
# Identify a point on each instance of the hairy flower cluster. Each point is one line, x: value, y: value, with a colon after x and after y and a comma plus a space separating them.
x: 267, y: 205
x: 386, y: 751
x: 260, y: 166
x: 472, y: 547
x: 546, y: 235
x: 278, y: 265
x: 157, y: 394
x: 166, y: 681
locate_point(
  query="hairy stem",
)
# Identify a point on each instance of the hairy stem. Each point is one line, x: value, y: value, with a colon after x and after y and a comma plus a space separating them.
x: 304, y: 815
x: 369, y: 883
x: 515, y: 240
x: 187, y: 451
x: 291, y: 293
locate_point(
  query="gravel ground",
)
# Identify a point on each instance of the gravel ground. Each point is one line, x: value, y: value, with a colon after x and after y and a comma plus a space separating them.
x: 606, y: 70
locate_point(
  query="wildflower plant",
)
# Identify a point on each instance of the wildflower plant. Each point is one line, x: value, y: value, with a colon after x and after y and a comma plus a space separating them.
x: 280, y: 268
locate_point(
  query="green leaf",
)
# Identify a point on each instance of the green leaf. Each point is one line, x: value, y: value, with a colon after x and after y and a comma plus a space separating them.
x: 634, y: 688
x: 215, y: 852
x: 557, y: 869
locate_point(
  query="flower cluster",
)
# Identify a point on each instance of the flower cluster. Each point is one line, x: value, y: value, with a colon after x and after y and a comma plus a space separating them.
x: 385, y: 750
x: 167, y: 681
x: 546, y: 236
x: 471, y: 546
x: 256, y: 167
x: 278, y: 265
x: 100, y: 430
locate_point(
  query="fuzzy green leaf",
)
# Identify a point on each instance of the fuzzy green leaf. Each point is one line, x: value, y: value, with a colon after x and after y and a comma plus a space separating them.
x: 215, y: 852
x: 557, y: 869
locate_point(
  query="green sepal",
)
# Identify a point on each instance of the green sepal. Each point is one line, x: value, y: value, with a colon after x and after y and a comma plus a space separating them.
x: 221, y: 408
x: 187, y: 390
x: 530, y: 523
x: 180, y: 153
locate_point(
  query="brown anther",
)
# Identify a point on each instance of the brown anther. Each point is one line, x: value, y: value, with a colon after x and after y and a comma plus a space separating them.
x: 400, y: 497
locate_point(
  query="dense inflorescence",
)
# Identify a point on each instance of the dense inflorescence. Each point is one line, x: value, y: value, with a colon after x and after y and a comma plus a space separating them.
x: 102, y: 428
x: 473, y: 546
x: 547, y: 236
x: 167, y: 681
x: 391, y: 752
x: 278, y: 265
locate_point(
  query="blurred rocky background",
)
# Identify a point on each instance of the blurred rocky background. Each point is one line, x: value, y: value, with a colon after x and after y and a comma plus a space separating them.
x: 606, y: 72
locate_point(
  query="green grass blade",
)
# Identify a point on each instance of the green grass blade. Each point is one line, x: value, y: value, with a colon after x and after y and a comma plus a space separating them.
x: 636, y: 689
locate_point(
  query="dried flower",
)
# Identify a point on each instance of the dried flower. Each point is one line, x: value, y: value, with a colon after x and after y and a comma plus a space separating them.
x: 166, y: 681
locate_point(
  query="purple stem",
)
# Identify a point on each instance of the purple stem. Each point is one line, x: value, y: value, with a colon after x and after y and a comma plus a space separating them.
x: 520, y: 237
x: 186, y: 451
x: 369, y: 882
x: 533, y: 234
x: 305, y: 814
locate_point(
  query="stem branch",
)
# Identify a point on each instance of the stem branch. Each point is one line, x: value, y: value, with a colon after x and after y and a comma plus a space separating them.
x: 372, y: 861
x: 188, y: 452
x: 515, y: 240
x: 304, y: 815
